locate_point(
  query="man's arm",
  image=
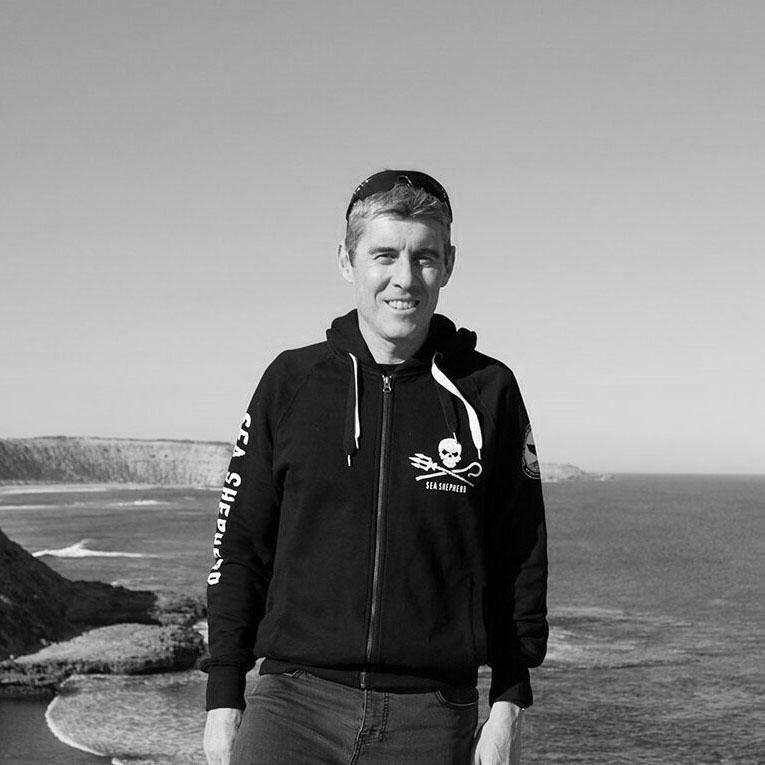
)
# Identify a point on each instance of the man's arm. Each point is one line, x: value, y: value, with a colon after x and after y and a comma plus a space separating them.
x: 243, y: 550
x: 518, y: 591
x: 517, y: 582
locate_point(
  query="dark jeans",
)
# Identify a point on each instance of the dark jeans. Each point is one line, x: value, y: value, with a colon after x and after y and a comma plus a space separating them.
x: 300, y: 718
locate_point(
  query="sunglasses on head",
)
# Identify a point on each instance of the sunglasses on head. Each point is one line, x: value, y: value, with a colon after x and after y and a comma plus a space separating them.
x: 387, y: 179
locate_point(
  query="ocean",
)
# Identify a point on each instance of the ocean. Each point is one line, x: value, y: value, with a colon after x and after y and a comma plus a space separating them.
x: 657, y: 607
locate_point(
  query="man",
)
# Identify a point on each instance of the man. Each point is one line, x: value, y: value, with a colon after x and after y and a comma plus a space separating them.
x: 381, y: 530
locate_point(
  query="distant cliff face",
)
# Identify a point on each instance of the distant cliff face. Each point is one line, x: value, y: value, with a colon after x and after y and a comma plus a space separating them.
x: 113, y: 460
x: 555, y: 472
x: 160, y: 463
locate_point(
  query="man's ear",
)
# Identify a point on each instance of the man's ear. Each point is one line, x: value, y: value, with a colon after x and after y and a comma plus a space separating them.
x: 449, y: 265
x: 344, y: 263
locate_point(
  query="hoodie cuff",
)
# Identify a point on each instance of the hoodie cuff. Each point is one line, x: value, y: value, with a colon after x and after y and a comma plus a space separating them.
x: 510, y: 682
x: 225, y: 687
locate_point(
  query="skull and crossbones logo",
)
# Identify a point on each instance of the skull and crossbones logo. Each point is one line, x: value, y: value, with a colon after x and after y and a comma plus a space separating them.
x: 450, y: 454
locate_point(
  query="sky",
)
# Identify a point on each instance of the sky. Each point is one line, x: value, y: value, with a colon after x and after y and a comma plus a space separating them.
x: 174, y: 177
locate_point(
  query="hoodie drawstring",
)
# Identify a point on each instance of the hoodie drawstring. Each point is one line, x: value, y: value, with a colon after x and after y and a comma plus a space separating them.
x: 475, y: 425
x: 352, y: 421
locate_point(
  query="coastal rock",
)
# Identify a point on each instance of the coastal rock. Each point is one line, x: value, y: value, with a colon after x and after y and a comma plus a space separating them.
x: 38, y: 605
x: 33, y: 600
x: 555, y: 472
x: 96, y: 603
x: 124, y: 649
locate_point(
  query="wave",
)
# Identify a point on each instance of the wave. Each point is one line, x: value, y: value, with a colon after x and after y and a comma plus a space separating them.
x: 618, y: 641
x: 582, y: 616
x: 133, y: 718
x: 591, y: 612
x: 62, y: 734
x: 4, y: 507
x: 97, y: 502
x: 79, y: 550
x: 50, y: 487
x: 138, y: 503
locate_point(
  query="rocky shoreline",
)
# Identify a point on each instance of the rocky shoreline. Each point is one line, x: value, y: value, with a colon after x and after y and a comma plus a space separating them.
x: 120, y: 649
x: 52, y: 627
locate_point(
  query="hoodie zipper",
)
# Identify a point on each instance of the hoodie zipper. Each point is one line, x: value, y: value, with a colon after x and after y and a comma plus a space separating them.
x: 387, y: 389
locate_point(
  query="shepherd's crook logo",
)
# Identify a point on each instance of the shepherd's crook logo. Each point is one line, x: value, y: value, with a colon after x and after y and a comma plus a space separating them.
x: 450, y: 453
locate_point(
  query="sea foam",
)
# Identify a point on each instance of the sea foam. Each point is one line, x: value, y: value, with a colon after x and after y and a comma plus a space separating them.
x: 79, y: 550
x: 150, y: 719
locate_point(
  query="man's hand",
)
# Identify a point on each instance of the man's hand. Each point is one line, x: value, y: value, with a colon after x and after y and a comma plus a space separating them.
x: 498, y: 741
x: 220, y: 730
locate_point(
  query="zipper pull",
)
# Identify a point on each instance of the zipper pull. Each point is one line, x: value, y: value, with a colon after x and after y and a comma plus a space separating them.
x: 386, y: 384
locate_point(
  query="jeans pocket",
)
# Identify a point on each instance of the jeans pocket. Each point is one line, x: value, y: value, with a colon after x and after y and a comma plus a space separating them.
x: 461, y: 699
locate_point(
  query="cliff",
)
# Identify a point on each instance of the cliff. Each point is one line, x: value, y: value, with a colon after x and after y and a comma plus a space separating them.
x: 553, y: 472
x: 38, y: 606
x: 58, y: 459
x: 113, y: 460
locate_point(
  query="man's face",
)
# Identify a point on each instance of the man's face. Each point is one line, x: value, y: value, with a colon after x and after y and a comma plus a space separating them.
x: 397, y: 272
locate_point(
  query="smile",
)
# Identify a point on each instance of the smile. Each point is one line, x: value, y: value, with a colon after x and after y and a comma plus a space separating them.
x: 403, y: 305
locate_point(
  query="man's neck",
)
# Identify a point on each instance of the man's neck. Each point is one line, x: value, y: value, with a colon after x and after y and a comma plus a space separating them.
x: 388, y: 352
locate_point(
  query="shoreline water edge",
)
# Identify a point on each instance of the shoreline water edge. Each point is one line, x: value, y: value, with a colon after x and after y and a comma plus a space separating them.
x: 650, y: 571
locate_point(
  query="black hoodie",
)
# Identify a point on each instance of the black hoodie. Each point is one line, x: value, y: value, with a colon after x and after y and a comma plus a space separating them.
x: 382, y: 528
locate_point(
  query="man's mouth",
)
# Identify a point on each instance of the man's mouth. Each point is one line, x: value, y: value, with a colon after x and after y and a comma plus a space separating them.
x: 403, y: 305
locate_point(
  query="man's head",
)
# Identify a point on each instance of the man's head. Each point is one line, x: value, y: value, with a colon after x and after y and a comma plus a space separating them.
x: 397, y: 255
x: 405, y: 194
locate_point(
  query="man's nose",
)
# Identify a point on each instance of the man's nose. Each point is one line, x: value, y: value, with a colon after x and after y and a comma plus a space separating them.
x: 405, y: 272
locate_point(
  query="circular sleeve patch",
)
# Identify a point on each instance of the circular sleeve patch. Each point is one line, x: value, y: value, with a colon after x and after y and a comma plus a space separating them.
x: 530, y: 464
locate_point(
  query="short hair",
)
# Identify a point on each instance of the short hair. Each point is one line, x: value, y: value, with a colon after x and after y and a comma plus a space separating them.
x: 402, y: 201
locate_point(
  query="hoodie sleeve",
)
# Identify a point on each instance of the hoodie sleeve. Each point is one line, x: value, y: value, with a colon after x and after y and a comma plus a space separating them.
x: 243, y: 551
x: 517, y: 559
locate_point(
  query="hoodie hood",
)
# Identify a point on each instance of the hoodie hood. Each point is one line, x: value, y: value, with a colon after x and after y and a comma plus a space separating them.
x: 444, y: 339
